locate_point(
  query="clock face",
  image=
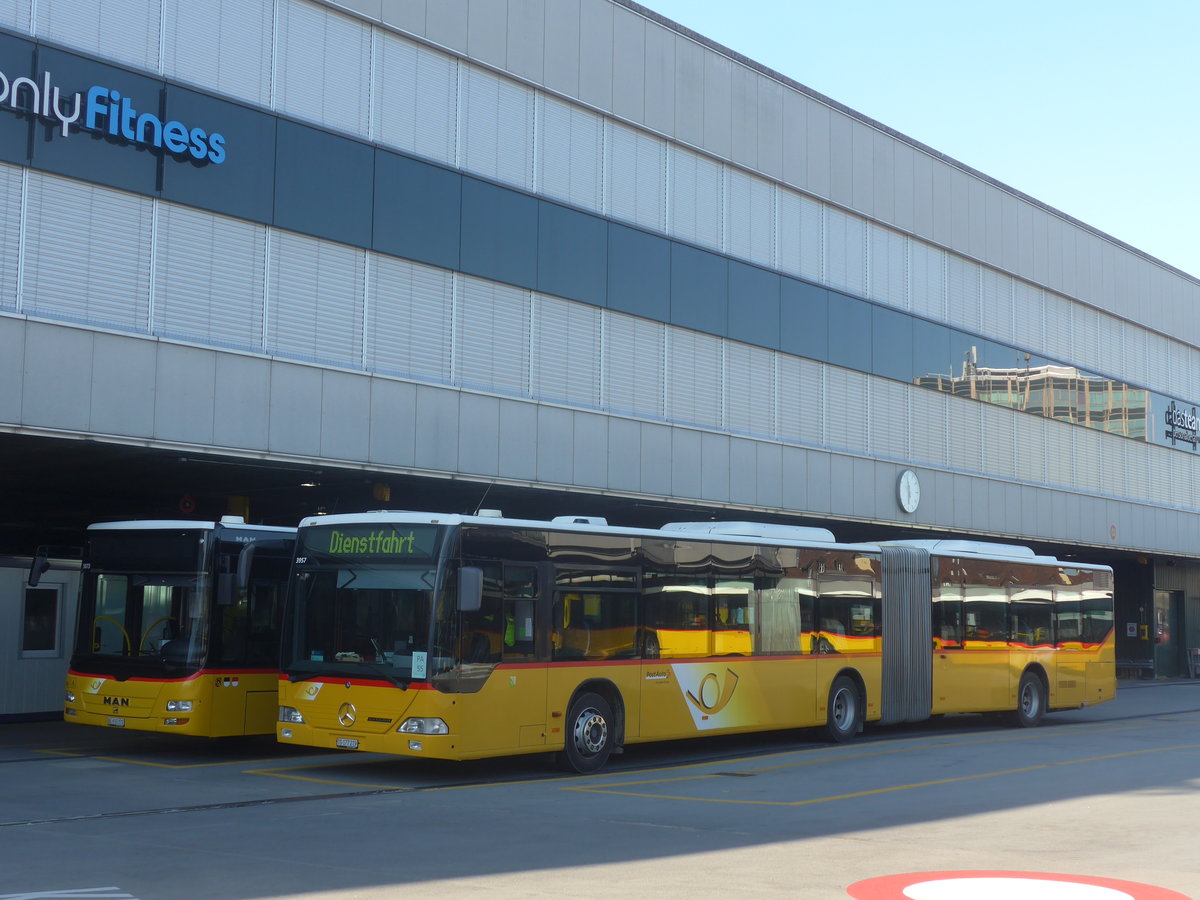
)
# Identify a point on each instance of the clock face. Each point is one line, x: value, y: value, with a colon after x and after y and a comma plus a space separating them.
x: 908, y: 490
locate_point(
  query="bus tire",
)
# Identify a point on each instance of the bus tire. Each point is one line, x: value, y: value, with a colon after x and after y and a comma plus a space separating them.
x: 591, y: 731
x: 1031, y: 701
x: 845, y: 710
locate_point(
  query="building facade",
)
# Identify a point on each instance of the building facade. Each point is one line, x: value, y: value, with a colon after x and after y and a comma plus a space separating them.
x: 569, y: 245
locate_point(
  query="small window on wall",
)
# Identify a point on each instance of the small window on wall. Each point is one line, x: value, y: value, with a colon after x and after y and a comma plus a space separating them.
x: 39, y: 622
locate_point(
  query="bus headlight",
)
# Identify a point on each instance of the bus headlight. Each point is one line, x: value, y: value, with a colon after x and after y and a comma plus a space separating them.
x: 179, y: 706
x: 423, y: 726
x: 70, y: 696
x: 291, y: 715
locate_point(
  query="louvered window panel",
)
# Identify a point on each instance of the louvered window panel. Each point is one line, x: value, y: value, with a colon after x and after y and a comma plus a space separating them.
x: 1111, y: 477
x: 1058, y: 318
x: 812, y: 240
x: 636, y: 179
x: 889, y: 266
x: 570, y: 154
x: 1060, y: 453
x: 996, y: 440
x: 996, y: 292
x: 324, y: 63
x: 888, y: 429
x: 566, y: 357
x: 1183, y: 480
x: 493, y: 337
x: 1088, y: 462
x: 121, y: 30
x: 633, y: 365
x: 1110, y: 335
x: 16, y: 15
x: 316, y: 303
x: 847, y: 409
x: 416, y: 109
x: 497, y: 129
x: 928, y: 274
x: 695, y: 198
x: 962, y: 293
x: 1160, y: 462
x: 845, y: 252
x: 1135, y: 344
x: 1027, y: 316
x: 10, y: 234
x: 1029, y: 457
x: 928, y: 436
x: 1135, y: 476
x: 750, y: 390
x: 962, y: 434
x: 790, y: 209
x: 410, y: 316
x: 208, y: 281
x: 1085, y: 342
x: 221, y: 45
x: 87, y: 256
x: 801, y: 399
x: 751, y: 218
x: 695, y: 378
x: 1157, y: 355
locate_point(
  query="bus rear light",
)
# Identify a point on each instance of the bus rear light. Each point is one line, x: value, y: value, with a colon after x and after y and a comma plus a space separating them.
x: 176, y: 721
x: 423, y: 726
x: 179, y: 706
x: 291, y: 715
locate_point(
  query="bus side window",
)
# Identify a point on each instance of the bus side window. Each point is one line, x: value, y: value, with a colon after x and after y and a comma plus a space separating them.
x: 520, y: 593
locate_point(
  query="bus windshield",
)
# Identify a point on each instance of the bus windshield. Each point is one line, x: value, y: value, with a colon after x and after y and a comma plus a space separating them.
x: 360, y: 604
x: 145, y: 602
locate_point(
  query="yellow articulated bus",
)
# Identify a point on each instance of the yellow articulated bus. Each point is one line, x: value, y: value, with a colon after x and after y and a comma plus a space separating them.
x: 460, y: 637
x: 178, y: 627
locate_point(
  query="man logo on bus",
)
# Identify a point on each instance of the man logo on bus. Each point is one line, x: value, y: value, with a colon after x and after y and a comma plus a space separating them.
x: 714, y: 697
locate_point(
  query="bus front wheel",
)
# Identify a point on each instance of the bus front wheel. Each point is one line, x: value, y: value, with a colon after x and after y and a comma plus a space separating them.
x: 844, y: 710
x: 590, y: 733
x: 1031, y: 700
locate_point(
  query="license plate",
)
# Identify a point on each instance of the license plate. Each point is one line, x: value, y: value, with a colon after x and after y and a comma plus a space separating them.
x: 116, y: 722
x: 348, y: 743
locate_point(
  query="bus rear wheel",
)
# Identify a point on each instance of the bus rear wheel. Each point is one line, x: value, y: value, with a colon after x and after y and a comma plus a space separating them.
x: 590, y: 733
x: 1031, y: 701
x: 844, y: 712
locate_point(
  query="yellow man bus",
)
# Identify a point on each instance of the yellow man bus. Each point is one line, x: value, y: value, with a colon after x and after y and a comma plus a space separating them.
x: 460, y: 637
x: 178, y: 628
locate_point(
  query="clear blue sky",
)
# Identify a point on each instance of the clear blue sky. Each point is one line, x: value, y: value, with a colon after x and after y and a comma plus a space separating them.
x: 1090, y: 107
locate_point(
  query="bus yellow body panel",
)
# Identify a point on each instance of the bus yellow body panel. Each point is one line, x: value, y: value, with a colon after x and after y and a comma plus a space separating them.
x: 222, y: 704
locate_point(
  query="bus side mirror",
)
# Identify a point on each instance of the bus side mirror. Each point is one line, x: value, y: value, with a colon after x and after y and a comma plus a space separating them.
x: 470, y: 589
x: 38, y: 568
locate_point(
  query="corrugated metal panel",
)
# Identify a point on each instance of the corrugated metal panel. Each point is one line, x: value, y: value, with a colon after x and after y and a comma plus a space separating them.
x: 962, y: 293
x: 410, y: 319
x: 566, y: 354
x: 570, y: 154
x: 315, y: 310
x: 695, y: 377
x: 928, y: 273
x: 907, y: 628
x: 889, y: 266
x: 324, y: 62
x: 222, y: 45
x: 208, y: 280
x: 633, y: 365
x: 750, y: 400
x: 636, y: 177
x: 996, y: 291
x: 10, y: 234
x: 845, y: 251
x: 750, y: 223
x: 492, y: 337
x: 497, y: 128
x: 416, y: 107
x: 87, y: 256
x: 847, y: 414
x: 122, y: 30
x: 695, y: 198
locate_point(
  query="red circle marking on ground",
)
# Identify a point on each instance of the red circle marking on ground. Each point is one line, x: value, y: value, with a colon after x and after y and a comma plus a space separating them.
x: 942, y: 886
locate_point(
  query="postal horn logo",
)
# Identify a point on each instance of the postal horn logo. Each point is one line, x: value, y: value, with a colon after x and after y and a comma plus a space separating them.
x: 713, y: 695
